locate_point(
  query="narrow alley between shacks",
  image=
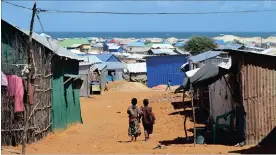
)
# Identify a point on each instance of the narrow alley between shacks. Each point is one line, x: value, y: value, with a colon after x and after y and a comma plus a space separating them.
x: 105, y: 125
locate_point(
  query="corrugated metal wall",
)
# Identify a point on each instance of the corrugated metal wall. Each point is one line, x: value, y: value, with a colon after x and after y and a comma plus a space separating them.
x: 161, y: 69
x: 259, y: 96
x: 65, y: 102
x: 84, y: 90
x: 104, y: 73
x: 83, y: 72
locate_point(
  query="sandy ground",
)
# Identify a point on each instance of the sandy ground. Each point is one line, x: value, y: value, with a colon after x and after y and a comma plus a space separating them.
x: 105, y: 129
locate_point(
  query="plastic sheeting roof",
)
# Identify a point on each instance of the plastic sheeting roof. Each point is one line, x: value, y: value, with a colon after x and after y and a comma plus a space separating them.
x: 137, y: 68
x: 163, y: 51
x: 204, y: 56
x: 190, y: 73
x: 225, y: 65
x: 270, y: 51
x: 166, y: 46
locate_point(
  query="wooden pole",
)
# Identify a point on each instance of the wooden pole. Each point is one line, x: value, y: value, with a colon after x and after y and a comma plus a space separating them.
x: 192, y: 100
x: 185, y: 116
x: 193, y: 108
x: 29, y: 77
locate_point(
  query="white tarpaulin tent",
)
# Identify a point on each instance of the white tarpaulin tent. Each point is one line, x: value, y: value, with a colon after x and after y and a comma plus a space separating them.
x: 136, y: 68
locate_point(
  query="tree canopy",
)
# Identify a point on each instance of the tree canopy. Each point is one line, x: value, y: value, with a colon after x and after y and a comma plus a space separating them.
x: 197, y: 45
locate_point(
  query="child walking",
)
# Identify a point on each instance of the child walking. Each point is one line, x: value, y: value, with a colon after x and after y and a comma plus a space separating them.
x: 169, y: 85
x: 148, y: 119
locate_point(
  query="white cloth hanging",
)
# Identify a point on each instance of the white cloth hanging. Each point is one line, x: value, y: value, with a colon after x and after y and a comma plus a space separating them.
x: 4, y: 81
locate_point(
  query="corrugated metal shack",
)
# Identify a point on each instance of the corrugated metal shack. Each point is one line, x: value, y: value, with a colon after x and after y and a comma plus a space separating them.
x: 56, y: 102
x: 137, y: 72
x: 100, y: 69
x: 161, y: 69
x: 258, y: 92
x: 107, y: 57
x: 84, y: 68
x: 115, y: 70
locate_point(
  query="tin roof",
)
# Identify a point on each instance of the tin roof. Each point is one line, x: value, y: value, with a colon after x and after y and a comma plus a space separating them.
x: 136, y: 44
x: 163, y: 51
x: 168, y: 46
x: 230, y: 46
x: 204, y: 56
x: 179, y: 44
x: 90, y: 58
x: 69, y: 42
x: 268, y: 52
x: 114, y: 65
x: 53, y: 46
x: 105, y: 57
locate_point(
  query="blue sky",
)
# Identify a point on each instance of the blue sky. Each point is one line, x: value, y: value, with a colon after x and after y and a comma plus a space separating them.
x: 249, y: 22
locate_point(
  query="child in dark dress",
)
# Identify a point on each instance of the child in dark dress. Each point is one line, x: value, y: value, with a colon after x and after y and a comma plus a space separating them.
x: 148, y: 119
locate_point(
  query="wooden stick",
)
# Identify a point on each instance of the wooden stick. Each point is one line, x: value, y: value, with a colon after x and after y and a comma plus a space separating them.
x: 30, y: 63
x: 44, y: 108
x: 194, y: 116
x: 33, y: 111
x: 183, y: 100
x: 43, y: 90
x: 20, y: 129
x: 10, y: 150
x: 44, y: 129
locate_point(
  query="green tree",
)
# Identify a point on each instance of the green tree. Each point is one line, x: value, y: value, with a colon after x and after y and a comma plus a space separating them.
x: 197, y: 45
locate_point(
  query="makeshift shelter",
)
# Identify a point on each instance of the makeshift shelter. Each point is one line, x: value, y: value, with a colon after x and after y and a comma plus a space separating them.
x: 114, y: 71
x: 54, y: 104
x: 84, y: 68
x: 112, y: 47
x: 161, y: 52
x: 107, y: 57
x: 98, y: 73
x: 256, y: 75
x: 251, y: 89
x: 205, y: 76
x: 137, y: 72
x: 161, y: 69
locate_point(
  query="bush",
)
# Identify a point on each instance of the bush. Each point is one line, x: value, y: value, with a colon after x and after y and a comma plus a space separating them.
x: 197, y: 45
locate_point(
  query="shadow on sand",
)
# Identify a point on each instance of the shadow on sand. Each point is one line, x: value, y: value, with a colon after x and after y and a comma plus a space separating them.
x: 179, y: 140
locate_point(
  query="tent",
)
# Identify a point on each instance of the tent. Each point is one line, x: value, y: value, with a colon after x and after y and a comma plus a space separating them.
x: 206, y: 75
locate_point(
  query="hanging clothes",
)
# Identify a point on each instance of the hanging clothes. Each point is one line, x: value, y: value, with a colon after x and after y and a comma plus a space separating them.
x: 4, y: 81
x: 15, y: 89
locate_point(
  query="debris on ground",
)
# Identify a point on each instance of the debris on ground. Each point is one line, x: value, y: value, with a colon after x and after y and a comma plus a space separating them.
x: 124, y: 86
x: 159, y: 146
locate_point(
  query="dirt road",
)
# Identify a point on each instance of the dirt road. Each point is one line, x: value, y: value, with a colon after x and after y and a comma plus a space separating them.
x: 105, y: 129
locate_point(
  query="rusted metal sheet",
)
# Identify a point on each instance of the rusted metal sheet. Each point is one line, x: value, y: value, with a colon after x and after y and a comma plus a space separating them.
x: 259, y: 96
